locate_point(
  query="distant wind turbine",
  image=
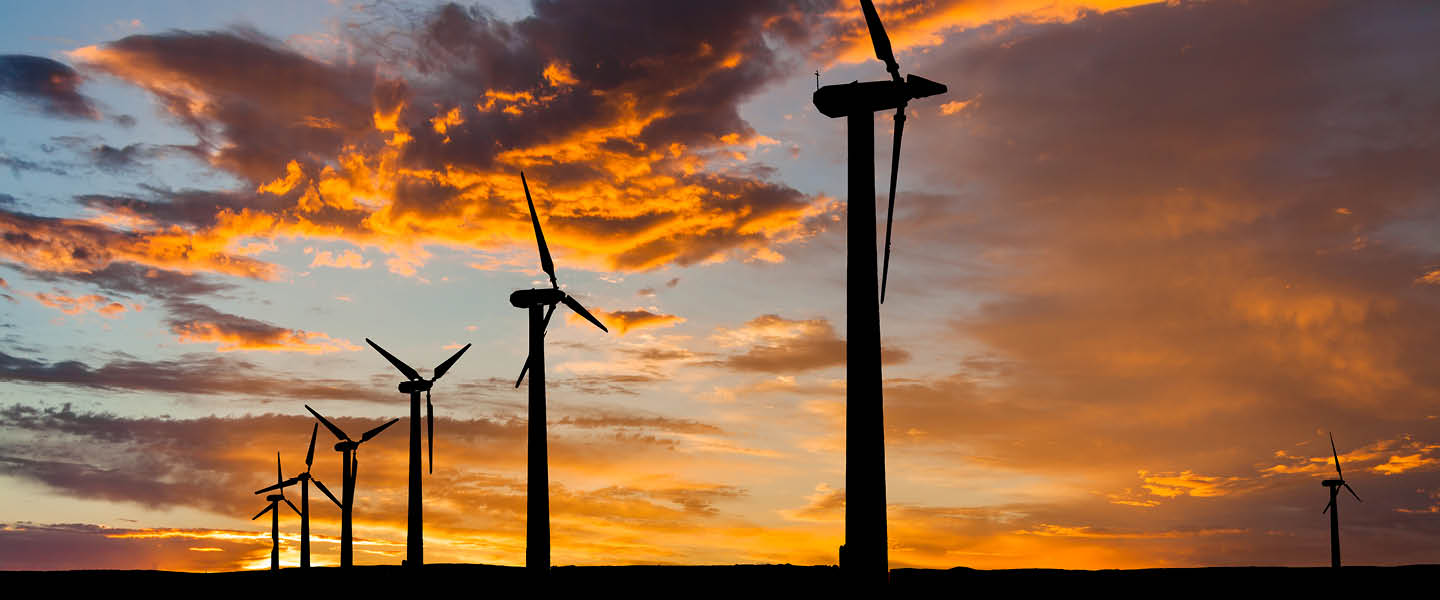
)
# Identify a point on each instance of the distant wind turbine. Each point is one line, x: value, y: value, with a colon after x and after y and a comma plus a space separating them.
x: 273, y: 509
x: 413, y: 385
x: 1333, y: 507
x: 350, y: 468
x: 304, y: 479
x: 865, y: 555
x: 537, y: 482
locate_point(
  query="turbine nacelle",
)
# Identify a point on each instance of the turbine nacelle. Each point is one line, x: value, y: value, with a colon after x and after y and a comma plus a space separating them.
x: 422, y: 385
x: 275, y: 498
x: 1333, y: 482
x: 536, y: 297
x: 873, y: 96
x: 346, y: 446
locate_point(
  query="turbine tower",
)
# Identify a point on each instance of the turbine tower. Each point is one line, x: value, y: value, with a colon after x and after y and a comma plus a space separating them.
x: 1334, y: 508
x: 350, y: 467
x: 865, y: 555
x: 304, y: 480
x: 537, y: 481
x: 413, y: 385
x: 274, y: 510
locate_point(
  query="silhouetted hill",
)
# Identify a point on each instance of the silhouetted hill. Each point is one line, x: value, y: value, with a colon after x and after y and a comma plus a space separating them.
x: 747, y: 580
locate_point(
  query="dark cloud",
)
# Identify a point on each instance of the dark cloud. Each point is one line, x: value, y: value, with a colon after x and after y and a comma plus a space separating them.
x: 81, y: 546
x: 201, y: 374
x: 136, y: 280
x: 51, y: 86
x: 638, y: 422
x: 18, y: 165
x: 267, y: 103
x: 780, y: 345
x: 116, y: 160
x: 197, y: 323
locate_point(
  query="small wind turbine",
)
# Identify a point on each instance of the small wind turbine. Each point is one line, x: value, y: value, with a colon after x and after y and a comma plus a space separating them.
x: 413, y: 385
x: 1334, y: 508
x: 273, y: 509
x: 865, y: 555
x: 537, y: 482
x: 350, y: 467
x: 304, y: 479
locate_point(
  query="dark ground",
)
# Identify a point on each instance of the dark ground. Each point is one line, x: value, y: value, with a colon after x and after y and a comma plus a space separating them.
x: 1221, y: 583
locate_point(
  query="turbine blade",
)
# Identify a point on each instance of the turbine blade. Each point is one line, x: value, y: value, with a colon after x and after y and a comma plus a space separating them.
x: 880, y: 39
x: 268, y: 508
x: 546, y: 263
x: 523, y: 370
x: 281, y: 485
x: 445, y: 366
x: 292, y: 506
x: 1352, y: 492
x: 580, y: 310
x: 1327, y: 507
x: 376, y: 431
x: 310, y: 454
x: 544, y: 326
x: 400, y: 366
x: 1337, y: 457
x: 890, y: 213
x: 279, y: 479
x: 340, y: 435
x: 326, y: 491
x: 430, y: 428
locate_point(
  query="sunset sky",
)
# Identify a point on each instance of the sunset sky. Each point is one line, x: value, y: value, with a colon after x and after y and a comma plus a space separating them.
x: 1147, y: 255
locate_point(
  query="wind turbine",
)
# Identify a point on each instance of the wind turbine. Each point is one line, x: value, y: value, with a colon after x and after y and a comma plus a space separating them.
x: 537, y: 482
x: 413, y: 385
x: 1334, y: 508
x: 274, y: 510
x: 304, y: 480
x: 350, y: 467
x: 865, y: 555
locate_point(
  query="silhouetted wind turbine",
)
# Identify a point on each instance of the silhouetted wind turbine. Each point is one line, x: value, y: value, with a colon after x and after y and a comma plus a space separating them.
x: 1333, y: 507
x: 304, y: 479
x: 414, y: 384
x: 350, y: 467
x: 865, y: 555
x: 274, y: 510
x: 537, y: 482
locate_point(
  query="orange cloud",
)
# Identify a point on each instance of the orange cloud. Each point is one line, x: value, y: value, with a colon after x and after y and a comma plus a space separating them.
x: 348, y: 259
x: 623, y: 321
x: 198, y: 324
x: 290, y: 340
x: 917, y: 25
x: 87, y: 303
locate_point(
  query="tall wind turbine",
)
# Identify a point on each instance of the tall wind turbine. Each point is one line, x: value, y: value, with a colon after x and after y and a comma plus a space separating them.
x: 537, y: 481
x: 865, y: 555
x: 304, y: 480
x: 1333, y: 507
x: 413, y: 385
x: 274, y: 510
x: 350, y: 467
